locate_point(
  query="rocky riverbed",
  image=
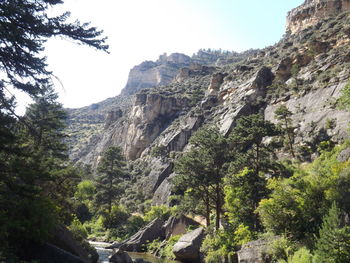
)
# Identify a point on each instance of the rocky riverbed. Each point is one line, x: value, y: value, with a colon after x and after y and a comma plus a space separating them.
x: 105, y: 253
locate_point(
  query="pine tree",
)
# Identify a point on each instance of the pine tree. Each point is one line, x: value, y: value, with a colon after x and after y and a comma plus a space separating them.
x: 36, y: 182
x: 25, y: 26
x: 252, y: 158
x: 283, y: 115
x: 333, y: 244
x: 111, y: 171
x: 201, y: 170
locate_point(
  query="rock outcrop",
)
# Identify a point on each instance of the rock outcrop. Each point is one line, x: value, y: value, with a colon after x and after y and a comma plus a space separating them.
x: 147, y: 234
x: 187, y: 249
x: 178, y: 226
x: 120, y: 256
x: 305, y: 71
x: 63, y: 239
x: 313, y: 11
x: 150, y: 74
x: 49, y: 253
x: 254, y: 252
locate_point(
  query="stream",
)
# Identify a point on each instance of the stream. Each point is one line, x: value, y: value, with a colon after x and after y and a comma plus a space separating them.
x: 105, y: 253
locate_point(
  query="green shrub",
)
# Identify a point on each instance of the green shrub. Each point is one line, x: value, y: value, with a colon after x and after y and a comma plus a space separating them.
x: 295, y: 70
x: 281, y: 249
x: 167, y: 250
x: 161, y: 212
x: 78, y: 229
x: 133, y: 224
x: 218, y: 246
x: 96, y: 229
x: 159, y: 151
x: 331, y: 123
x: 116, y: 218
x: 85, y: 191
x: 153, y: 246
x: 302, y: 255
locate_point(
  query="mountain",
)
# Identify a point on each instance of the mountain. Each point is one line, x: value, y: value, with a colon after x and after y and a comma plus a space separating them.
x: 165, y: 101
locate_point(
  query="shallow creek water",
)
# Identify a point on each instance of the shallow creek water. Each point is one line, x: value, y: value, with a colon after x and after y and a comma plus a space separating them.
x: 105, y: 253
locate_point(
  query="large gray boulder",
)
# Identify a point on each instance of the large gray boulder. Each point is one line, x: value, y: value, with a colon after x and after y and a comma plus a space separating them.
x: 147, y: 234
x: 62, y: 238
x: 187, y: 249
x: 120, y: 256
x: 254, y: 252
x: 178, y: 225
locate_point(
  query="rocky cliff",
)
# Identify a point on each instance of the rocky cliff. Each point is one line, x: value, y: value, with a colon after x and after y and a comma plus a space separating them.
x: 305, y: 71
x: 313, y: 11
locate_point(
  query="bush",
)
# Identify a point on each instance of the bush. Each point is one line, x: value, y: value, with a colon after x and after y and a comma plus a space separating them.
x: 167, y: 250
x: 161, y: 212
x: 218, y: 246
x: 134, y: 223
x: 78, y: 229
x: 95, y: 228
x: 85, y: 191
x: 302, y: 255
x: 116, y: 218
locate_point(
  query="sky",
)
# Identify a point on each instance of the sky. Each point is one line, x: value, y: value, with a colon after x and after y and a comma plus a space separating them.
x: 140, y: 30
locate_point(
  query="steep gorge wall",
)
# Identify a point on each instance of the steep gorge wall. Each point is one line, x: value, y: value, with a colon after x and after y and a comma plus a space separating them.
x: 305, y: 71
x: 313, y: 11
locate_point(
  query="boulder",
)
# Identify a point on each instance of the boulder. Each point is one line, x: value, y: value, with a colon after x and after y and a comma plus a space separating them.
x: 120, y: 256
x: 140, y: 260
x: 187, y: 249
x: 177, y: 226
x: 254, y: 252
x: 344, y: 155
x: 147, y: 234
x: 49, y: 253
x: 64, y: 239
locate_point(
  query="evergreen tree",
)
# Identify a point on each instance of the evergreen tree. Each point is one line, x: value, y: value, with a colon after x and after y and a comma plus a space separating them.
x: 111, y: 172
x: 36, y: 182
x: 252, y: 159
x: 246, y: 141
x: 25, y: 27
x: 283, y: 115
x: 201, y: 170
x: 333, y: 244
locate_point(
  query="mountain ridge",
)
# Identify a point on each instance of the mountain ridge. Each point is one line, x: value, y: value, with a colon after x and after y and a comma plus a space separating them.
x: 305, y: 71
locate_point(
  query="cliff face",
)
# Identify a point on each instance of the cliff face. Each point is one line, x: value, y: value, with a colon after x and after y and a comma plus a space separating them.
x: 150, y: 74
x: 313, y: 11
x: 305, y: 71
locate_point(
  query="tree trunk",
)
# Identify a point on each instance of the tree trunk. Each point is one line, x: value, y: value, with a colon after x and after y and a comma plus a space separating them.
x: 218, y: 206
x: 290, y: 142
x: 207, y: 206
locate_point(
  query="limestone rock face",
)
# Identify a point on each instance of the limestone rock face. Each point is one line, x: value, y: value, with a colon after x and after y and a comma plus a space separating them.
x: 242, y: 97
x: 312, y: 11
x: 150, y: 74
x: 150, y: 115
x: 188, y: 246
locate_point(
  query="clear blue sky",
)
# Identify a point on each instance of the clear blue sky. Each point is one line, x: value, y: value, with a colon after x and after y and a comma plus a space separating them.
x: 141, y: 30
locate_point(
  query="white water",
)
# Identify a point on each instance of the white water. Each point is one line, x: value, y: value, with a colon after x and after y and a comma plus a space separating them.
x: 102, y: 251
